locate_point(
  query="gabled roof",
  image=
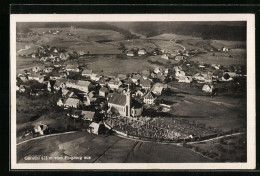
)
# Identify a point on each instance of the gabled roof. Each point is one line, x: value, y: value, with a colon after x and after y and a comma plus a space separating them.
x: 87, y: 114
x: 71, y: 67
x: 59, y: 82
x: 87, y: 71
x: 118, y: 99
x: 149, y: 95
x: 103, y: 89
x: 145, y: 82
x: 72, y: 101
x: 137, y: 76
x: 83, y: 83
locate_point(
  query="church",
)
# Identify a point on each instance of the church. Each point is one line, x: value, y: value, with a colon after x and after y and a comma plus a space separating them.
x: 124, y: 104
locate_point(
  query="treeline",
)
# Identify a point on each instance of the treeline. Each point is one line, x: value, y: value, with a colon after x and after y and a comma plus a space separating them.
x: 25, y: 27
x: 205, y: 30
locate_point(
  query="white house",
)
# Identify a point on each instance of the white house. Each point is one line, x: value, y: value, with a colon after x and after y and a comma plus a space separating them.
x: 185, y: 79
x: 207, y: 88
x: 114, y: 84
x: 73, y: 103
x: 142, y: 52
x: 179, y: 74
x: 149, y: 98
x: 130, y: 53
x: 36, y: 77
x: 165, y: 56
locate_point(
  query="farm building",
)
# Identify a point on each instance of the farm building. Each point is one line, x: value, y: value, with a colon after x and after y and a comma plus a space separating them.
x: 149, y: 98
x: 179, y: 58
x: 146, y: 84
x: 87, y: 73
x: 157, y: 70
x: 114, y: 84
x: 87, y: 115
x: 136, y: 78
x: 23, y: 78
x: 57, y: 75
x: 84, y: 86
x: 139, y: 93
x: 177, y: 68
x: 72, y: 68
x: 40, y: 128
x: 74, y: 113
x: 59, y: 84
x: 179, y: 74
x: 64, y: 56
x: 207, y: 88
x: 130, y: 53
x: 47, y: 69
x: 103, y: 91
x: 102, y: 82
x: 185, y: 79
x: 95, y: 77
x: 37, y: 69
x: 97, y: 128
x: 60, y: 102
x: 73, y: 103
x: 37, y: 77
x: 157, y: 90
x: 141, y: 52
x: 165, y: 56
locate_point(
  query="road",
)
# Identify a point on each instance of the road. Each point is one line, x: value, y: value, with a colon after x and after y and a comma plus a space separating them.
x: 105, y: 149
x: 183, y: 47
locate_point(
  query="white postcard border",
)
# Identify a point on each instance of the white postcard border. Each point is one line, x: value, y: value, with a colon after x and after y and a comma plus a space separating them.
x: 251, y: 115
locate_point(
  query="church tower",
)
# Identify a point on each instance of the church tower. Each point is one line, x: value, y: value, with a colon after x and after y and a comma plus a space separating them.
x: 128, y: 102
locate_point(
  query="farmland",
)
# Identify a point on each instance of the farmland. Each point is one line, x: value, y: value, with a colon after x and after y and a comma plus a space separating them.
x: 104, y: 149
x: 105, y: 52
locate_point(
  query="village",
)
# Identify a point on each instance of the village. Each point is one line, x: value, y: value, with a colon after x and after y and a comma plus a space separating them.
x: 92, y: 86
x: 121, y: 102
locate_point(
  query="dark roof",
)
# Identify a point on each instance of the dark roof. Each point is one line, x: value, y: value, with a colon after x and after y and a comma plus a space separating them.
x: 149, y: 95
x: 103, y: 89
x: 135, y: 104
x: 118, y: 99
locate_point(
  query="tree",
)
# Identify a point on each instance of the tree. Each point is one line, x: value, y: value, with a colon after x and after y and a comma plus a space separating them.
x: 226, y: 76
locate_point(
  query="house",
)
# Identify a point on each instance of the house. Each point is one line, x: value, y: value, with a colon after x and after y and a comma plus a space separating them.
x: 44, y: 59
x: 146, y: 74
x: 141, y: 52
x: 149, y: 98
x: 135, y: 78
x: 146, y: 84
x: 59, y: 84
x: 37, y: 69
x: 64, y: 56
x: 203, y: 77
x: 37, y: 77
x: 160, y: 77
x: 23, y: 88
x: 74, y: 113
x: 57, y: 75
x: 114, y: 84
x: 103, y: 91
x: 207, y: 88
x: 72, y: 68
x: 124, y: 104
x: 130, y: 53
x: 61, y: 102
x: 73, y: 103
x: 87, y: 115
x: 95, y: 77
x: 165, y: 56
x: 102, y: 82
x: 87, y: 73
x: 97, y: 128
x: 179, y: 58
x: 84, y: 86
x: 177, y: 68
x: 86, y: 101
x: 33, y: 55
x: 179, y: 74
x: 225, y: 49
x: 157, y: 70
x: 140, y: 93
x: 121, y: 76
x: 47, y: 69
x: 185, y: 79
x: 158, y: 88
x: 23, y: 78
x: 40, y: 128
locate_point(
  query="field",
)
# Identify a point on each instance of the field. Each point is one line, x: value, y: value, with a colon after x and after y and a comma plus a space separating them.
x: 221, y: 112
x: 112, y: 65
x: 104, y: 149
